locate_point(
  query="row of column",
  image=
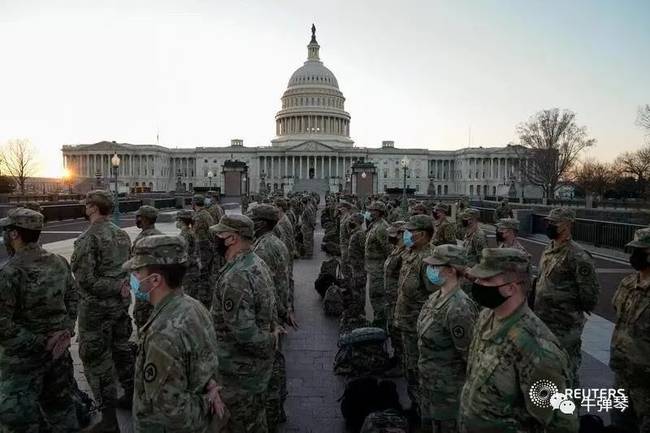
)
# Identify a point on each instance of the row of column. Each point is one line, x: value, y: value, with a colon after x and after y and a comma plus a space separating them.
x: 495, y: 168
x: 313, y: 125
x: 186, y: 166
x: 91, y: 164
x: 442, y: 169
x: 276, y: 167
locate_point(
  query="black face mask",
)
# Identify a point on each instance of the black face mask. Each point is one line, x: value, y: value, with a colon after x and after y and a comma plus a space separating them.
x: 551, y: 231
x: 436, y: 216
x: 138, y: 222
x: 488, y: 296
x: 465, y: 223
x: 500, y: 237
x: 639, y: 259
x: 393, y: 240
x: 220, y: 246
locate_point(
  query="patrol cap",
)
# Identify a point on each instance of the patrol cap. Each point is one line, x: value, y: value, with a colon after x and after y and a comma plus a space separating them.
x: 496, y: 261
x: 24, y: 218
x: 33, y: 205
x: 470, y: 213
x: 357, y: 218
x: 148, y: 212
x: 157, y: 250
x: 99, y: 197
x: 264, y: 212
x: 282, y: 203
x: 395, y: 227
x: 561, y: 214
x: 419, y: 222
x: 421, y: 207
x: 641, y: 239
x: 441, y: 207
x: 346, y: 204
x: 235, y: 223
x: 198, y: 199
x: 378, y: 206
x: 185, y: 214
x: 450, y: 255
x: 508, y: 223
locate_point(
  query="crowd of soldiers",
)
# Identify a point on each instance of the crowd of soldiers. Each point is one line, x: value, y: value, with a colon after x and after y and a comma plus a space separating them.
x: 211, y: 306
x: 475, y: 328
x: 471, y: 329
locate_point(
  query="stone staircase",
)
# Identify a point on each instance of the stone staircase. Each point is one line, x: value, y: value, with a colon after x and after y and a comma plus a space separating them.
x: 321, y: 186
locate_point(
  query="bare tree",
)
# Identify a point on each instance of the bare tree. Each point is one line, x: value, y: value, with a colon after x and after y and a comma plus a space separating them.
x: 593, y: 176
x: 551, y: 141
x: 643, y: 117
x: 19, y: 161
x: 636, y: 164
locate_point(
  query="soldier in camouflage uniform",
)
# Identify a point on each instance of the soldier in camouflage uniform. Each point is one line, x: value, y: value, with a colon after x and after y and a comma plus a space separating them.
x: 245, y: 200
x: 354, y: 295
x: 567, y: 286
x: 630, y: 354
x: 445, y: 328
x: 504, y: 211
x: 506, y: 234
x: 215, y: 209
x: 413, y: 291
x: 176, y: 368
x: 284, y: 230
x: 208, y: 263
x: 461, y: 205
x: 145, y: 219
x: 275, y: 254
x: 184, y: 221
x: 444, y: 229
x: 392, y: 267
x: 512, y: 350
x: 307, y: 224
x: 38, y: 310
x: 419, y: 209
x: 377, y: 249
x: 104, y: 322
x: 244, y: 314
x: 475, y: 239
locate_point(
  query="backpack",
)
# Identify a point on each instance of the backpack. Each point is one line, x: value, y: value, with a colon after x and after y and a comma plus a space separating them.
x: 376, y: 402
x: 323, y: 282
x: 361, y: 351
x: 333, y: 301
x: 358, y: 400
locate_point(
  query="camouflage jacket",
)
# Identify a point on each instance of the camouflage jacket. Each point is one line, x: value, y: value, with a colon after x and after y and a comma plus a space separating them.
x: 243, y: 311
x: 177, y: 357
x: 392, y: 267
x: 445, y: 232
x: 96, y: 262
x: 143, y: 234
x: 503, y: 212
x: 190, y: 240
x: 216, y: 212
x: 567, y: 286
x: 201, y: 225
x: 344, y: 237
x: 445, y: 328
x: 516, y: 244
x: 507, y: 360
x: 413, y: 288
x: 356, y: 252
x: 630, y: 354
x: 386, y: 421
x: 274, y: 253
x: 377, y: 245
x: 284, y: 230
x: 292, y: 218
x: 37, y: 297
x: 474, y: 242
x: 307, y: 219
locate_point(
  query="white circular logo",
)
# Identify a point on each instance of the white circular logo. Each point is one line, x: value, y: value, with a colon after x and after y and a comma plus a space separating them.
x: 541, y: 391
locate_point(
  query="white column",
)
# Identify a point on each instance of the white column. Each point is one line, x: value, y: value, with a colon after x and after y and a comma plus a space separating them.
x: 329, y: 166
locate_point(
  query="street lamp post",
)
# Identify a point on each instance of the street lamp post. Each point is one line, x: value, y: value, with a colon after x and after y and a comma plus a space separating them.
x: 115, y: 161
x: 405, y: 166
x: 210, y: 175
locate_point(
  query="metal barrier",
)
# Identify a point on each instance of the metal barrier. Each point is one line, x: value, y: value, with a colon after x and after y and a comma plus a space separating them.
x: 130, y: 205
x: 488, y: 215
x: 60, y: 212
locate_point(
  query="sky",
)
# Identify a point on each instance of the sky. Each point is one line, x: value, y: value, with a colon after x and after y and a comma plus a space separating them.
x: 427, y: 74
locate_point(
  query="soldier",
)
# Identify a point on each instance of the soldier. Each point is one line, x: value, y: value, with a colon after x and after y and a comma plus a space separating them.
x: 297, y: 227
x: 506, y: 234
x: 461, y: 205
x: 630, y: 354
x: 307, y: 224
x: 419, y: 209
x: 513, y: 356
x: 355, y: 291
x: 445, y: 327
x: 475, y: 239
x: 377, y: 249
x: 244, y: 313
x: 145, y: 220
x: 38, y: 311
x: 345, y: 210
x: 245, y: 200
x: 413, y: 291
x: 504, y: 211
x: 444, y: 230
x: 104, y: 322
x: 215, y: 209
x: 392, y: 267
x: 207, y: 263
x: 184, y: 218
x: 284, y: 230
x: 567, y: 286
x: 176, y: 369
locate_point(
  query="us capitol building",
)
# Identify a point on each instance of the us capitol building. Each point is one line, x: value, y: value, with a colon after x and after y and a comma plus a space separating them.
x: 312, y: 151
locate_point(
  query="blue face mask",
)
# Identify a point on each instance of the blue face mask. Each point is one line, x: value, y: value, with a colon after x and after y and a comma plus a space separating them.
x: 135, y: 288
x: 367, y: 215
x: 208, y: 201
x: 407, y: 237
x: 433, y: 274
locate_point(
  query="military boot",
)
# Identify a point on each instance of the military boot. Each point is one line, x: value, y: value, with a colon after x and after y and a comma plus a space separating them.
x: 108, y: 424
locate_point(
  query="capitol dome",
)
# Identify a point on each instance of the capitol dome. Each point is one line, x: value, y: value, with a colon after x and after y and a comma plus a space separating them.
x: 313, y: 107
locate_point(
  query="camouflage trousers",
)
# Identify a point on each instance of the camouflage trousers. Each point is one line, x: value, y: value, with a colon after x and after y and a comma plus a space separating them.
x: 307, y: 241
x: 36, y: 396
x: 571, y: 341
x: 103, y: 346
x: 637, y: 416
x: 410, y: 357
x: 393, y: 331
x: 141, y: 313
x: 247, y: 411
x: 277, y: 393
x: 377, y: 292
x: 354, y: 299
x: 201, y: 290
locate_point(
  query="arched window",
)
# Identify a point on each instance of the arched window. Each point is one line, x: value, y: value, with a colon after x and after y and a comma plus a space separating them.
x: 439, y: 190
x: 446, y: 190
x: 471, y: 190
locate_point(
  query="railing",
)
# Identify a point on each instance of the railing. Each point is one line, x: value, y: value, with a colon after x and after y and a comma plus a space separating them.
x: 488, y: 215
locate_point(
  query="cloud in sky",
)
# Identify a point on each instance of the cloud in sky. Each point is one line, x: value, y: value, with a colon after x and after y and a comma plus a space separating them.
x: 419, y: 72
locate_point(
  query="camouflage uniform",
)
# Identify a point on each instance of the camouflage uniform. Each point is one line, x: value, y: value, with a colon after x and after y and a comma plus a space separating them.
x: 444, y: 229
x: 567, y: 287
x: 143, y: 309
x: 377, y: 249
x: 307, y: 224
x: 385, y: 421
x: 503, y: 211
x: 177, y: 351
x: 511, y: 224
x: 192, y: 275
x: 207, y: 268
x: 355, y: 294
x: 474, y: 241
x: 38, y: 297
x: 413, y: 291
x: 507, y: 358
x: 630, y: 353
x: 445, y: 328
x: 284, y: 230
x: 104, y: 322
x: 215, y: 209
x: 244, y: 312
x: 460, y: 208
x: 392, y: 267
x: 244, y: 203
